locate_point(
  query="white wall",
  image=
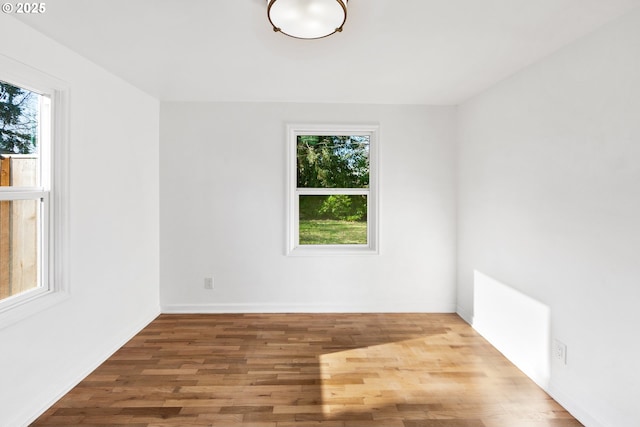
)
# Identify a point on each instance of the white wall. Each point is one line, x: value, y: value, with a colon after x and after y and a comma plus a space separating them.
x: 223, y: 169
x: 515, y: 324
x: 549, y: 203
x: 114, y: 227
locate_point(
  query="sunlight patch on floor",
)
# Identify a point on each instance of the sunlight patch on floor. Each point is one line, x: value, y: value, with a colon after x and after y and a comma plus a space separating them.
x: 401, y: 375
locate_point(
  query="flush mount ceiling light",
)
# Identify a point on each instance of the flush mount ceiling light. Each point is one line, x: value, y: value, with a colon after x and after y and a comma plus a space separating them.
x: 307, y: 19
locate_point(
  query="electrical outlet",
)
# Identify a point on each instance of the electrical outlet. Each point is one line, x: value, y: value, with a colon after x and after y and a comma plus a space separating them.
x: 208, y: 282
x: 560, y: 351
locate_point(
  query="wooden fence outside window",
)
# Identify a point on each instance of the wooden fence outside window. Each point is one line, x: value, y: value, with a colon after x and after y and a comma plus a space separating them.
x: 18, y: 227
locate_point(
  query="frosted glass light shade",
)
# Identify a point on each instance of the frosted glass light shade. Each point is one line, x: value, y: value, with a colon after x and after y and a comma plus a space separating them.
x: 307, y: 19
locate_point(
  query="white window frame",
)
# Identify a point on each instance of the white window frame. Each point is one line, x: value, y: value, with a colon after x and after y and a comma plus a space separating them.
x: 293, y: 247
x: 53, y: 193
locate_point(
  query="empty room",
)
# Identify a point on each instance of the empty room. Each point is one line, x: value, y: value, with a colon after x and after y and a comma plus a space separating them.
x: 292, y: 213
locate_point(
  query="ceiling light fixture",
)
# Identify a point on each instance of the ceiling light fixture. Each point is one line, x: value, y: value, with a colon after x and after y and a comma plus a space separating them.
x: 307, y: 19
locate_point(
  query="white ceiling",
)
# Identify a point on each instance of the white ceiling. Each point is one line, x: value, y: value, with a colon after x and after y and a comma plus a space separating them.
x: 390, y: 52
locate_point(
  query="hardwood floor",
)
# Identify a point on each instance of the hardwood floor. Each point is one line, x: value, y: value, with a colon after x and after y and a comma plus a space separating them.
x: 280, y: 370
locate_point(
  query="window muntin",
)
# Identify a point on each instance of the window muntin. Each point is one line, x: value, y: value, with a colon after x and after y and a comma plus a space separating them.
x: 25, y: 138
x: 332, y: 201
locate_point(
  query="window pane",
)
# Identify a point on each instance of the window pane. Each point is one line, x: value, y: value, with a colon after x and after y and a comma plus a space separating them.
x: 19, y: 118
x: 338, y: 219
x: 332, y: 161
x: 19, y: 225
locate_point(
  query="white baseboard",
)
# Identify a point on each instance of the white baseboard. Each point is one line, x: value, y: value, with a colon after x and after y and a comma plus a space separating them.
x: 466, y: 316
x: 573, y: 408
x: 31, y: 417
x: 404, y: 307
x: 569, y: 404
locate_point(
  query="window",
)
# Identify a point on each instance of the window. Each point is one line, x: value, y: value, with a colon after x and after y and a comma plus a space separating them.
x: 31, y: 163
x: 332, y: 189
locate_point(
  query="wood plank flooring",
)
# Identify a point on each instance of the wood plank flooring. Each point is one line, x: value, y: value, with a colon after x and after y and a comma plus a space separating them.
x: 286, y: 370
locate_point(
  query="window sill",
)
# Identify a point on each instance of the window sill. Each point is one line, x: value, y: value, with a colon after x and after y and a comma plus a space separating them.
x: 29, y: 306
x: 332, y: 250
